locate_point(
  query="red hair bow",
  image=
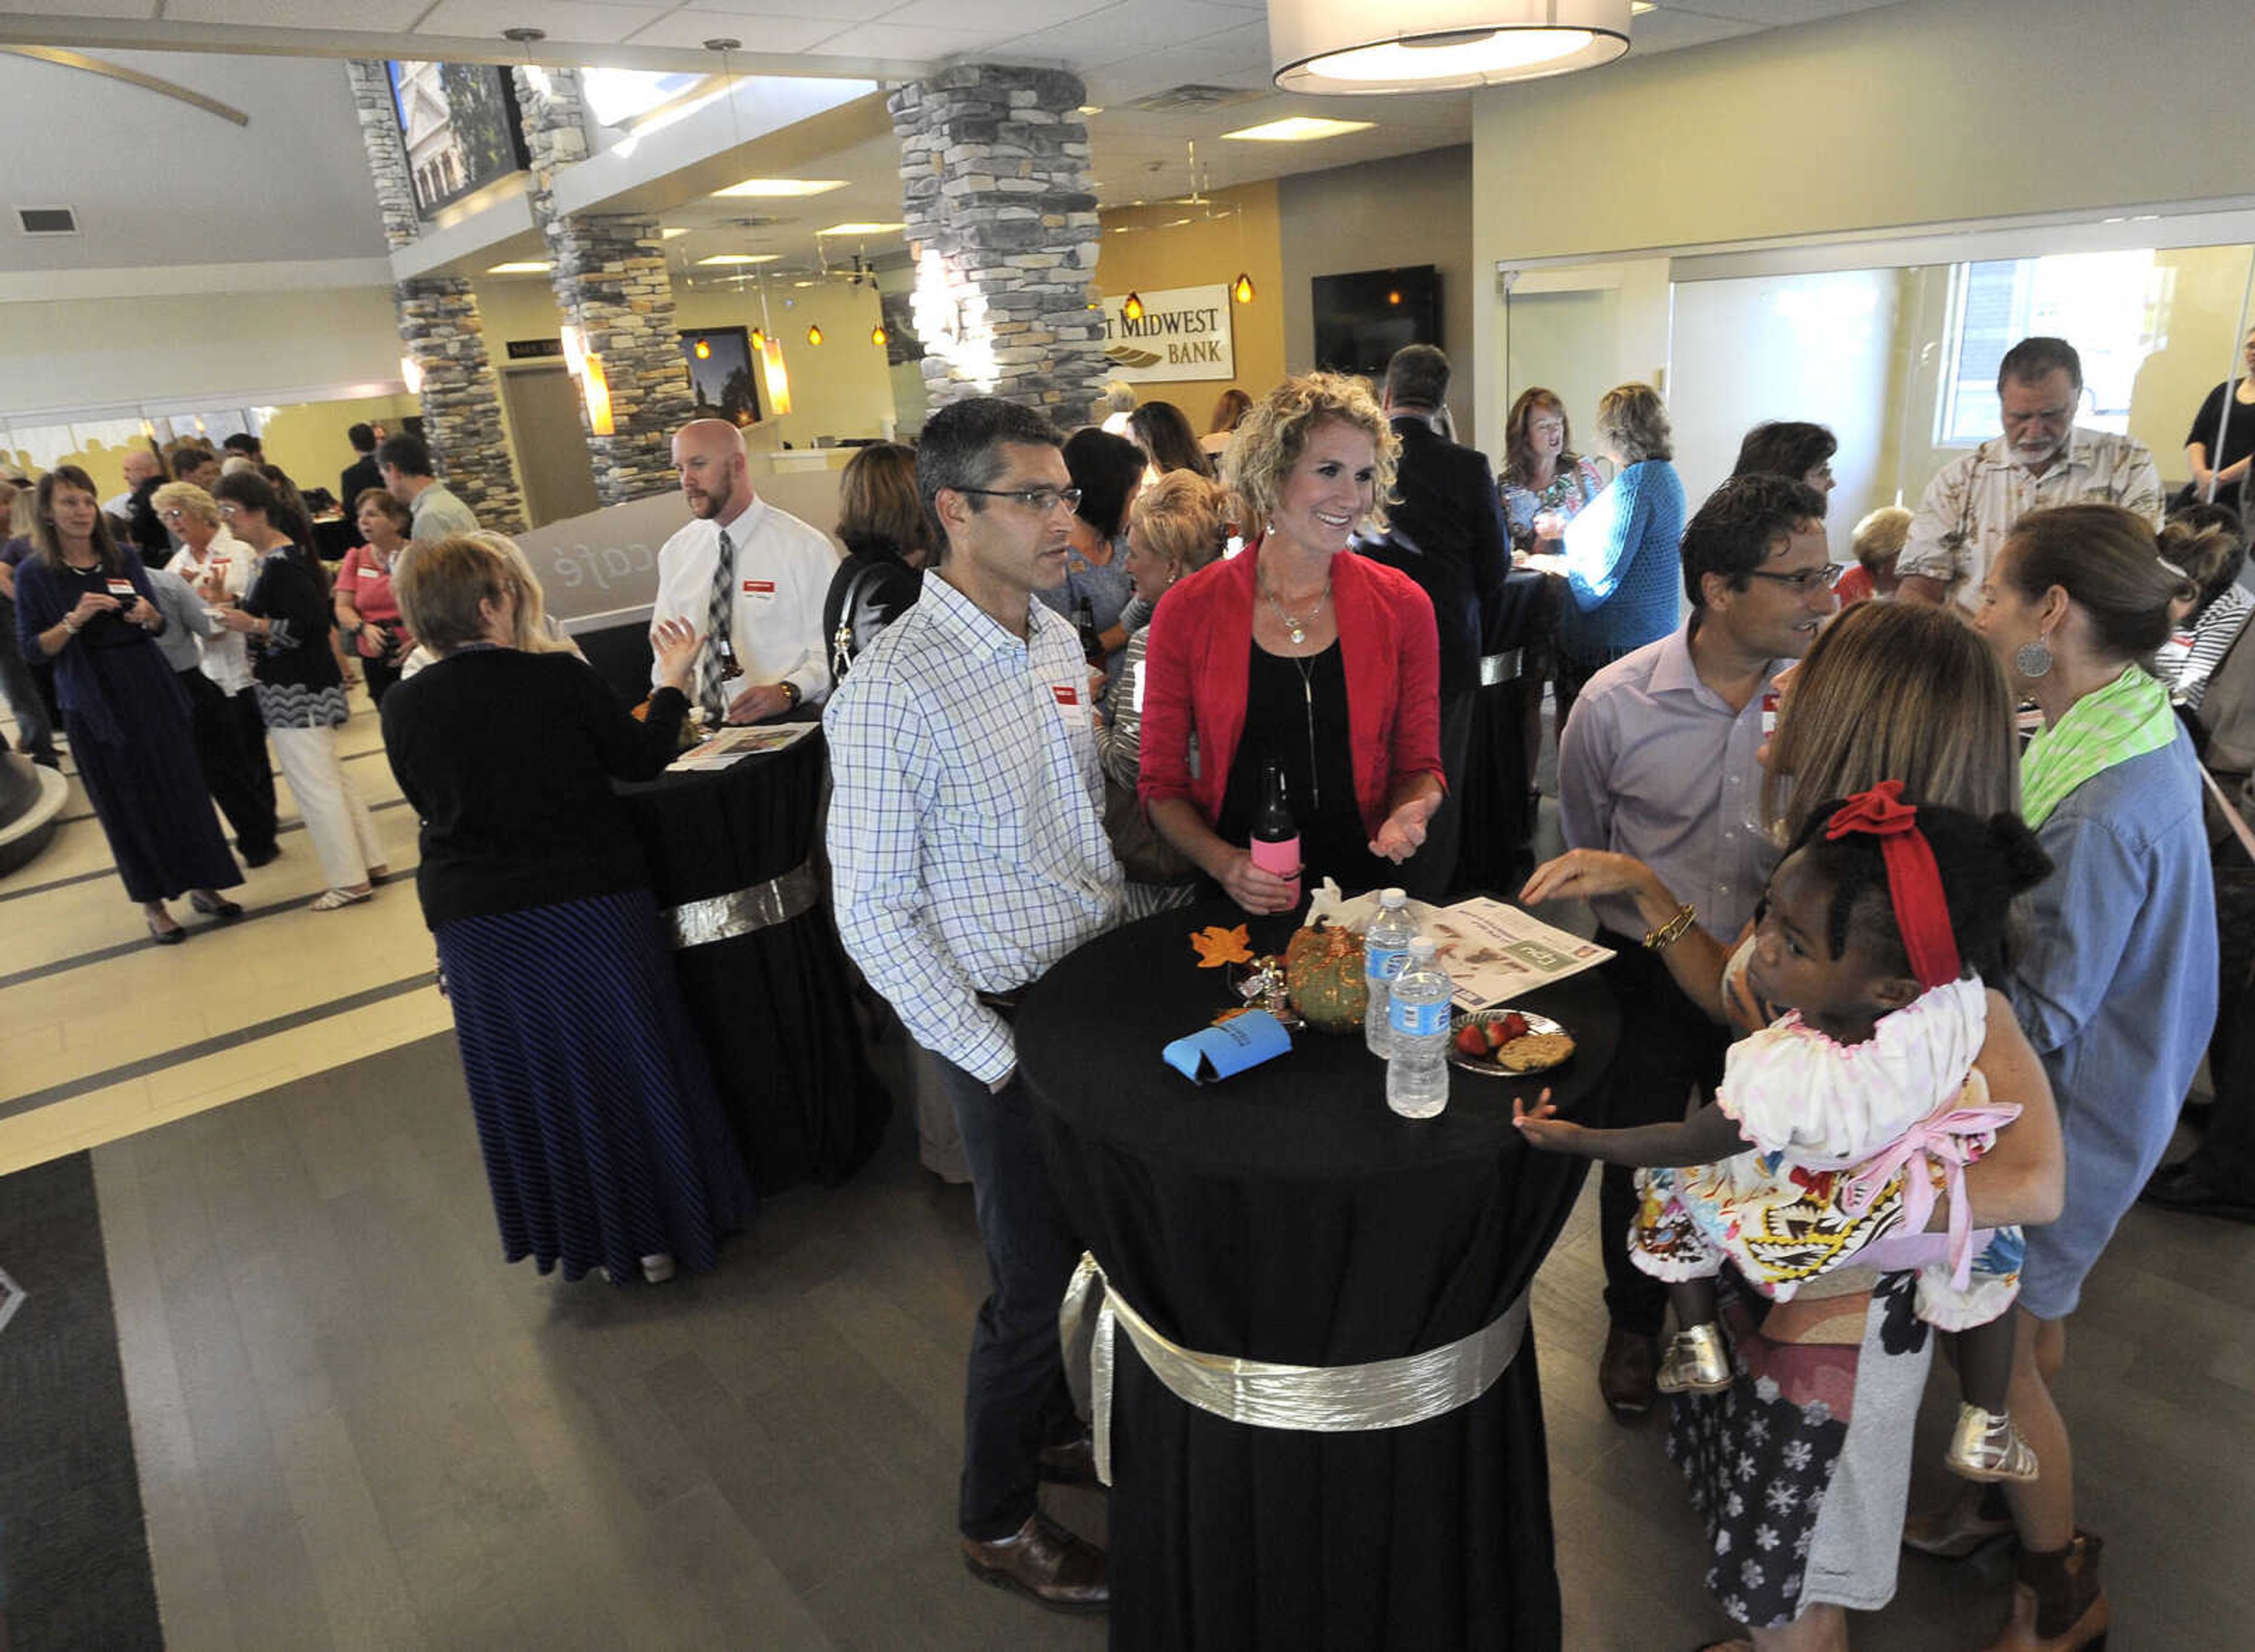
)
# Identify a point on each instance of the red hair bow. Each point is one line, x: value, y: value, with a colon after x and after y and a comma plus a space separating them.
x: 1913, y: 880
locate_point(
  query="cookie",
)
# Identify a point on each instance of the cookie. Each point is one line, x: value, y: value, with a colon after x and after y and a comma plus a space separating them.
x: 1535, y: 1051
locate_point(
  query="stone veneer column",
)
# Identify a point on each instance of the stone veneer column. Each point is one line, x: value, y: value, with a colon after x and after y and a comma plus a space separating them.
x: 1002, y: 235
x: 440, y: 329
x: 610, y: 282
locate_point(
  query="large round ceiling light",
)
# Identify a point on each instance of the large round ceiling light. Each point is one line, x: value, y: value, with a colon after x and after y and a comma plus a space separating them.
x: 1346, y: 46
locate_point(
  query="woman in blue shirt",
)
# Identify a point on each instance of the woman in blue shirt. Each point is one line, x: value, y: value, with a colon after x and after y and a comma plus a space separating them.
x: 2116, y: 985
x: 1622, y: 567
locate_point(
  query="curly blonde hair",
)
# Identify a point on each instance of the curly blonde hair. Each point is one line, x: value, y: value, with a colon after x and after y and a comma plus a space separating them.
x: 186, y: 496
x: 1275, y: 434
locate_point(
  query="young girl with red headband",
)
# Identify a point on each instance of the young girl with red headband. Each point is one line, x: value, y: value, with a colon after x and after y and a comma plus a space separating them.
x: 1834, y: 1125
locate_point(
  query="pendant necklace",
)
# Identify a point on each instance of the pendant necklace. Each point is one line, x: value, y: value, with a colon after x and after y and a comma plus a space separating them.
x: 1298, y: 629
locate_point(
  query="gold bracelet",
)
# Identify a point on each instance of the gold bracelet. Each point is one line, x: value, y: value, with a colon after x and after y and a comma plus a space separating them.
x: 1672, y: 930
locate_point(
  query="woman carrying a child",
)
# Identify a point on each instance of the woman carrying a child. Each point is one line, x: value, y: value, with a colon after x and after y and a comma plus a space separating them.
x: 1805, y: 1508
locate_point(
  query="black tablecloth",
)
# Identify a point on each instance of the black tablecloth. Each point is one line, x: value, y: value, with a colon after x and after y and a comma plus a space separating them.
x: 1287, y: 1215
x: 775, y: 1005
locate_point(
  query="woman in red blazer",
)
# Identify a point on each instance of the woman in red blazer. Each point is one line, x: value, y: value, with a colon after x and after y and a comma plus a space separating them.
x: 1299, y: 651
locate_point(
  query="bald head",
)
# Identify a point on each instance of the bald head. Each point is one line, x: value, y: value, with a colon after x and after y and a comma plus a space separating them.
x: 716, y: 477
x: 140, y: 465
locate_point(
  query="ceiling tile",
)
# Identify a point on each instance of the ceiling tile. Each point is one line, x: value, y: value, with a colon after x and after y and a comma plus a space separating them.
x: 1009, y: 17
x: 739, y: 15
x: 758, y: 33
x: 903, y: 40
x: 379, y: 16
x: 1126, y: 30
x: 565, y: 21
x: 1663, y: 31
x: 140, y: 10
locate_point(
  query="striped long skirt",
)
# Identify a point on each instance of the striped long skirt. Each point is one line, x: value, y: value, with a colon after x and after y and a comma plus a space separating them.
x: 603, y: 1137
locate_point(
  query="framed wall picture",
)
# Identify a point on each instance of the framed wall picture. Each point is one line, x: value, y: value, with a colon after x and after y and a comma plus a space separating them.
x: 460, y: 124
x: 720, y: 376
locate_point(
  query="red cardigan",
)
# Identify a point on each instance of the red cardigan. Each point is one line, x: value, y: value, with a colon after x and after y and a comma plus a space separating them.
x: 1200, y: 653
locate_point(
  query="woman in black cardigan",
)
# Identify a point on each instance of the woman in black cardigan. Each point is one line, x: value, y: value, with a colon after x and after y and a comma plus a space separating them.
x: 604, y: 1139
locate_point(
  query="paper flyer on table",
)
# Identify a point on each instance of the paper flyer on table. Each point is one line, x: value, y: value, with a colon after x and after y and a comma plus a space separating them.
x: 730, y: 745
x: 1493, y: 952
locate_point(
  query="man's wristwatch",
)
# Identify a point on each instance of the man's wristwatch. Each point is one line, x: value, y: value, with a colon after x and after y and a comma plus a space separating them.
x: 791, y: 694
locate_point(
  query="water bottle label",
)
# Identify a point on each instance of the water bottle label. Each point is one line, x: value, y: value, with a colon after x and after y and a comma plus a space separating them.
x: 1418, y: 1021
x: 1383, y: 963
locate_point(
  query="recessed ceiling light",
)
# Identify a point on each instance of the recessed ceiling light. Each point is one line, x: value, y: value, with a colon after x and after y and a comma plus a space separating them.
x: 1297, y: 128
x: 523, y: 266
x: 861, y: 230
x: 785, y: 187
x: 743, y: 258
x: 674, y: 233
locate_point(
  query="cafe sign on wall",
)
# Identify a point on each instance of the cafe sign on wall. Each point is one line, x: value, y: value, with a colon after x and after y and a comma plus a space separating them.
x: 1183, y: 334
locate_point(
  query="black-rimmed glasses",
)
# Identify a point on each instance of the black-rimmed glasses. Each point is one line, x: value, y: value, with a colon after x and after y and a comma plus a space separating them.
x: 1826, y: 574
x: 1041, y: 500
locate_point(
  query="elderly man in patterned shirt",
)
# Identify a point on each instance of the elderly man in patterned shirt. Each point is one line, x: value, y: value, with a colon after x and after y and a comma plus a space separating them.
x: 2043, y: 459
x: 967, y: 842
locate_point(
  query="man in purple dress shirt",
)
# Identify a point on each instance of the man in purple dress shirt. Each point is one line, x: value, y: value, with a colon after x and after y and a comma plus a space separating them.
x: 1657, y: 762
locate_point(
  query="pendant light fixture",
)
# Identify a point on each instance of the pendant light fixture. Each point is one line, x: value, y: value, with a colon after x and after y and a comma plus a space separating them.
x: 1242, y: 288
x: 814, y: 335
x: 1346, y: 46
x: 1133, y: 310
x: 877, y: 335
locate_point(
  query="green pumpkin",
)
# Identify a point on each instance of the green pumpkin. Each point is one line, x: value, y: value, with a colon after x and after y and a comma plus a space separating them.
x: 1323, y: 977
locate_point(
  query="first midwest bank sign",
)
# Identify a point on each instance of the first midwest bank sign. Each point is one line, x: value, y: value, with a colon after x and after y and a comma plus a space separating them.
x: 1184, y: 334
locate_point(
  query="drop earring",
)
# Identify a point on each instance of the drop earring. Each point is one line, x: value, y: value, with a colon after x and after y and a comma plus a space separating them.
x: 2032, y: 660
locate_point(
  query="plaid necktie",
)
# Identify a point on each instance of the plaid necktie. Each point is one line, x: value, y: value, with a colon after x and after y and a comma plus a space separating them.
x: 717, y: 611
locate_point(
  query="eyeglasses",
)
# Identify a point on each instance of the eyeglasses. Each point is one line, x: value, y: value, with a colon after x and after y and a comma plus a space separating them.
x: 174, y: 515
x: 1041, y: 500
x: 1826, y: 574
x: 226, y: 508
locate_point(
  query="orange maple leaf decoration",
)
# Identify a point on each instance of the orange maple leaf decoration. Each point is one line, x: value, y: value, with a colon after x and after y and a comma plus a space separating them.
x: 1216, y: 947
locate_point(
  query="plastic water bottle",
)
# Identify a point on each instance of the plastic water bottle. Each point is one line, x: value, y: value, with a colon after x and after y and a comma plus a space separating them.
x: 1418, y: 1015
x: 1385, y: 948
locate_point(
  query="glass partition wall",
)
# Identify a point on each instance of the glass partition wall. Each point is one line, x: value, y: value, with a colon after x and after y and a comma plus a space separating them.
x: 1893, y: 344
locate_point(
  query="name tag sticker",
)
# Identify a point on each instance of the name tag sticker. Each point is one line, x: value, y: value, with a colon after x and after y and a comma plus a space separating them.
x: 760, y: 588
x: 1064, y: 693
x: 122, y: 590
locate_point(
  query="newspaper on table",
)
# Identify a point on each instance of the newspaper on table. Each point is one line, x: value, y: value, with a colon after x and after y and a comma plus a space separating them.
x: 734, y: 745
x: 1493, y: 952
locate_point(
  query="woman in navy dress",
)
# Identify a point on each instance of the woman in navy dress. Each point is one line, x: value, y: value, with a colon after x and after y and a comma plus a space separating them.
x: 604, y: 1139
x: 85, y: 603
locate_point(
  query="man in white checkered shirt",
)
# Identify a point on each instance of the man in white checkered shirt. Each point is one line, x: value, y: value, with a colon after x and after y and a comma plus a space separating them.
x: 967, y: 843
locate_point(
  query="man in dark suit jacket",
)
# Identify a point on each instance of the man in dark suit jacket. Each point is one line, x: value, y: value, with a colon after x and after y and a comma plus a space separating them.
x: 1446, y: 510
x: 360, y: 476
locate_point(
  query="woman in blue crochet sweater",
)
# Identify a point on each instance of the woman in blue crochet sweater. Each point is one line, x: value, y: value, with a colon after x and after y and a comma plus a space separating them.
x: 1622, y: 571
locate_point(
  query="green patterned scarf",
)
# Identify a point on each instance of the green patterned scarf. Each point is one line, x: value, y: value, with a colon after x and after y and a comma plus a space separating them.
x: 2126, y: 719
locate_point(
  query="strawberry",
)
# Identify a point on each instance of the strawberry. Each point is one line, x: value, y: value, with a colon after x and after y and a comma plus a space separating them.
x: 1471, y: 1040
x: 1511, y: 1026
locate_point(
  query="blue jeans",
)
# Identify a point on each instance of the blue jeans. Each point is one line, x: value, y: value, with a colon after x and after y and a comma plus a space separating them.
x: 1015, y: 1401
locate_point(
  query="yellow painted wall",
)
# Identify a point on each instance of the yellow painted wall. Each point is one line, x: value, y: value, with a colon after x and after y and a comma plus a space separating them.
x: 1149, y: 246
x: 1928, y: 112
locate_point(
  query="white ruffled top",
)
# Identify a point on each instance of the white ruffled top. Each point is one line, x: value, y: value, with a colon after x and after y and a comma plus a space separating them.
x: 1828, y: 1105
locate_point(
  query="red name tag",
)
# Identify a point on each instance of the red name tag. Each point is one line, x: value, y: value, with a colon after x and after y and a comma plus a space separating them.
x: 759, y: 587
x: 1064, y: 693
x: 122, y: 590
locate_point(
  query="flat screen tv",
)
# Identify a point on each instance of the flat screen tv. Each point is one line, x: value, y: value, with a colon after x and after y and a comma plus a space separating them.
x: 1362, y: 319
x: 458, y: 121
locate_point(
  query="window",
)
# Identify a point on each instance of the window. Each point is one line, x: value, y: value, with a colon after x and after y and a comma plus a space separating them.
x: 2108, y: 305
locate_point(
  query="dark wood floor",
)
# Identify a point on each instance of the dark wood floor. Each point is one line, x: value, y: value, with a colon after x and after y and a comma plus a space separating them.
x: 358, y: 1428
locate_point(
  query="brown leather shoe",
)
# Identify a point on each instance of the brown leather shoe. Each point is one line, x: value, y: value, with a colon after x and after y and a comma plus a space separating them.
x: 1072, y: 1463
x: 1627, y: 1373
x: 1045, y: 1563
